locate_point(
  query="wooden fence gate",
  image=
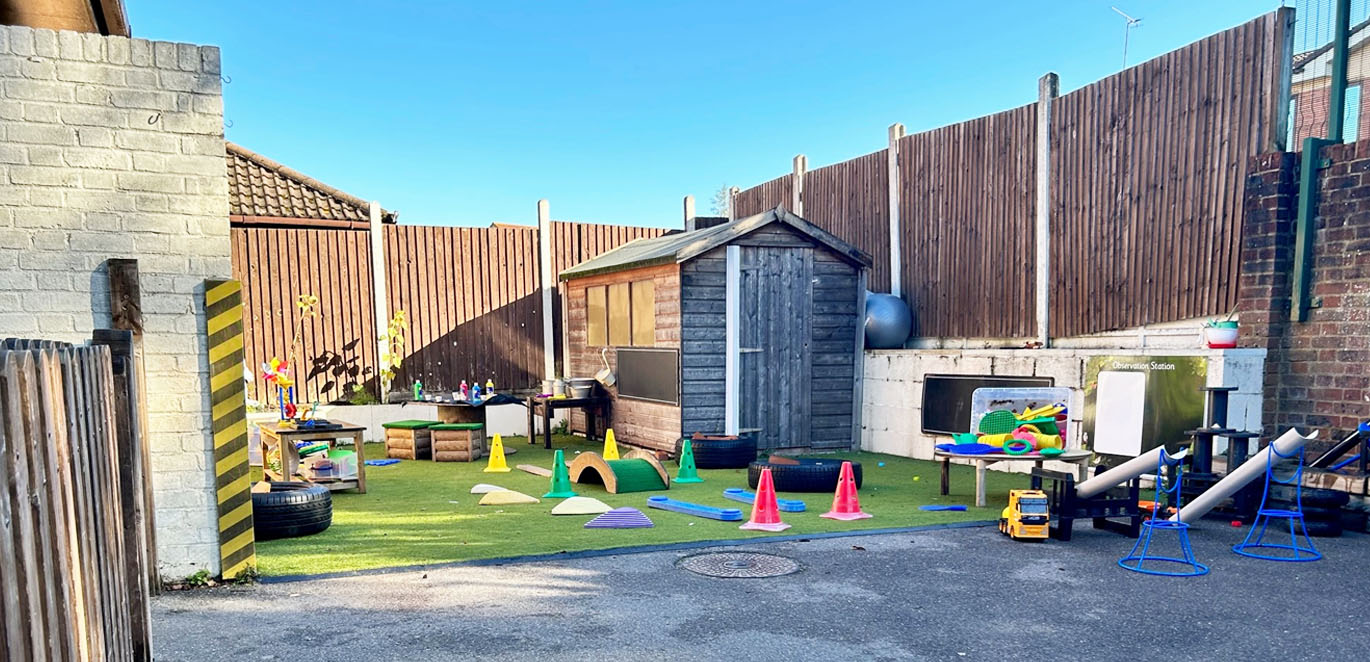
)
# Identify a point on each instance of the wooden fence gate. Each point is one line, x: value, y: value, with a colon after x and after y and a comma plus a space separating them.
x: 73, y: 581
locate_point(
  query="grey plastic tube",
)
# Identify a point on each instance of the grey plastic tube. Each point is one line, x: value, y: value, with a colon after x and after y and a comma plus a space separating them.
x: 1236, y: 479
x: 1144, y: 463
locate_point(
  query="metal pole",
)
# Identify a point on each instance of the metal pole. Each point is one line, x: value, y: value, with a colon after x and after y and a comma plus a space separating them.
x: 1336, y: 103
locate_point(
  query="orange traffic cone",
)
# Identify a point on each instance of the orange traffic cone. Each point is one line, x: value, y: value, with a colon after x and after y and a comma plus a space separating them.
x: 845, y: 504
x: 765, y: 510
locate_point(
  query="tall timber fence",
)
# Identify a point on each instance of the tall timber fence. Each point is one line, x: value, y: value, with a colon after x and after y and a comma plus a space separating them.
x: 74, y: 574
x: 471, y: 297
x: 1134, y: 180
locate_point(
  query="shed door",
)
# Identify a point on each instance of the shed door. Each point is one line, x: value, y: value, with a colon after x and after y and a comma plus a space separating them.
x: 775, y: 318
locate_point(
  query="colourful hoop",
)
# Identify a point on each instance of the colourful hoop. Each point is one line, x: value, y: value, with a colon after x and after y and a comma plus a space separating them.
x: 1017, y: 447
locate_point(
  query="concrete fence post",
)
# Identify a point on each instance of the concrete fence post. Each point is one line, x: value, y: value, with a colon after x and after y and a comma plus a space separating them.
x: 732, y: 202
x: 380, y: 299
x: 896, y: 132
x: 801, y: 164
x: 1048, y: 87
x: 547, y: 281
x: 689, y: 213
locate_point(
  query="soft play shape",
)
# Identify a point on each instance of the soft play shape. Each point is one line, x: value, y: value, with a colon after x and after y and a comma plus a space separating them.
x: 610, y: 446
x: 578, y: 505
x: 698, y: 510
x: 846, y: 506
x: 639, y: 472
x: 888, y: 321
x: 485, y: 488
x: 620, y: 518
x: 506, y: 498
x: 561, y: 482
x: 496, y: 464
x: 765, y: 512
x: 747, y: 497
x: 687, y: 473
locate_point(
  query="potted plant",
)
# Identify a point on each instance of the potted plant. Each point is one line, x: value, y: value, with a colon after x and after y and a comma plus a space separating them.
x: 1221, y: 334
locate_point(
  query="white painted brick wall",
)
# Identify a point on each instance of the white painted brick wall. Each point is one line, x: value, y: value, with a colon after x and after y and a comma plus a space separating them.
x: 114, y: 148
x: 892, y: 394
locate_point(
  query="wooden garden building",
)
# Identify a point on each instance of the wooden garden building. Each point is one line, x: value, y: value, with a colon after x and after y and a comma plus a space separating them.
x: 751, y: 325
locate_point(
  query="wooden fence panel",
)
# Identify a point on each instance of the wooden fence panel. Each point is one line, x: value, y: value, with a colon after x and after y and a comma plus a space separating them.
x: 338, y: 347
x: 1147, y: 173
x: 763, y: 197
x: 851, y: 200
x: 471, y: 298
x: 66, y: 576
x: 966, y: 209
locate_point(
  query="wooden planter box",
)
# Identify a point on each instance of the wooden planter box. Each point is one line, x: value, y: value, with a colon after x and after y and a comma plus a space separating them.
x: 458, y: 442
x: 409, y: 440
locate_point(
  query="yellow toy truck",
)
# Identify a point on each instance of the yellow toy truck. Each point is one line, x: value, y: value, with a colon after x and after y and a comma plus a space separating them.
x: 1026, y: 517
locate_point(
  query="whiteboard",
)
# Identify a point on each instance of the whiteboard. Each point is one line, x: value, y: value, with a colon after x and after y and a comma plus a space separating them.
x: 1119, y: 413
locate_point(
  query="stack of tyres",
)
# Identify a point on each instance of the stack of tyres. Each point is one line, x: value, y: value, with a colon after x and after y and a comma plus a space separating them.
x: 1322, y: 509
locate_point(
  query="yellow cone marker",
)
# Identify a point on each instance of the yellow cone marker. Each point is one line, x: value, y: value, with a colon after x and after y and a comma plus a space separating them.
x: 610, y: 446
x: 496, y: 463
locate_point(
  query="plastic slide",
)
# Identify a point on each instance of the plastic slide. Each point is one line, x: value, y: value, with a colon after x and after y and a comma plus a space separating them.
x: 1288, y: 443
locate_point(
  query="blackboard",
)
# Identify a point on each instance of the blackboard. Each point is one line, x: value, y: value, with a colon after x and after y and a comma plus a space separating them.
x: 649, y: 374
x: 946, y: 398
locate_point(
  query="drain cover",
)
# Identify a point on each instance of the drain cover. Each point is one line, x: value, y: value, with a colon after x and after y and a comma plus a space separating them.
x: 741, y: 565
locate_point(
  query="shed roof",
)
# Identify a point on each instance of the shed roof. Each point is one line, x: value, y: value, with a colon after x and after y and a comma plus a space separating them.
x: 684, y: 246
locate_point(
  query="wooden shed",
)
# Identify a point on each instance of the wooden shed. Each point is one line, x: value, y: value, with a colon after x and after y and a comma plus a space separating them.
x: 751, y: 325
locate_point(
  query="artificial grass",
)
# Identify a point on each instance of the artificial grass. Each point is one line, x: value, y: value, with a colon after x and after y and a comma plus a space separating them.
x: 420, y: 512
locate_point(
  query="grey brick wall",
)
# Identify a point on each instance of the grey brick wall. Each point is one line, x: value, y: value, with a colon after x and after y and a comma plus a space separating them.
x: 114, y: 147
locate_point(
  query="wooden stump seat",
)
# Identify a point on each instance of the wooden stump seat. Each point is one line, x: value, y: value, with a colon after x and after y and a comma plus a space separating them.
x: 409, y: 440
x: 458, y: 442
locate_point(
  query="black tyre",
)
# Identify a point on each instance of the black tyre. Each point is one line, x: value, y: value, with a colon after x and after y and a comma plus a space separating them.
x: 291, y: 510
x: 1312, y: 496
x: 1353, y: 520
x: 1323, y: 529
x: 810, y: 475
x: 1319, y: 513
x: 723, y: 453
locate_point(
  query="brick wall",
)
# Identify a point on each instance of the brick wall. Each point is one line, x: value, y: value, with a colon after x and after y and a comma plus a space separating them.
x: 114, y: 147
x: 1316, y: 375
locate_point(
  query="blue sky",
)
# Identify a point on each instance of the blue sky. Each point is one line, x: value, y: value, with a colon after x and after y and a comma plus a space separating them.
x: 468, y: 113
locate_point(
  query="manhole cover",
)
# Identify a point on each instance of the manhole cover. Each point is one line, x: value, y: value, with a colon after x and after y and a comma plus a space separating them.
x: 741, y: 565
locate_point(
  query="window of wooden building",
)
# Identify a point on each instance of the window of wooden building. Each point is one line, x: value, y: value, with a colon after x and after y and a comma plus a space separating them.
x: 621, y: 314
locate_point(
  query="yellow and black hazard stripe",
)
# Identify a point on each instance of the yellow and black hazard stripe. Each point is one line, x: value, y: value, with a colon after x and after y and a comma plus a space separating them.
x: 224, y: 312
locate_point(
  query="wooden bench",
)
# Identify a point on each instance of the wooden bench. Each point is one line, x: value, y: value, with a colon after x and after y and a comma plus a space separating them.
x: 409, y: 440
x: 458, y: 442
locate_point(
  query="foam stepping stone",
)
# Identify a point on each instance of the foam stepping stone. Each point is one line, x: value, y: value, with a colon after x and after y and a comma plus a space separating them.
x: 698, y: 510
x: 749, y: 497
x: 581, y: 506
x: 620, y: 518
x: 485, y: 488
x: 506, y: 498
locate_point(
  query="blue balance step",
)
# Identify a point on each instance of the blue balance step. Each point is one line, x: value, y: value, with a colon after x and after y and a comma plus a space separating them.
x: 698, y: 510
x: 785, y: 505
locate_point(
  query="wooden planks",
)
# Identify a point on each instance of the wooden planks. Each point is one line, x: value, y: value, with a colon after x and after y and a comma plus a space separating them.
x: 71, y: 586
x: 764, y: 197
x: 850, y: 200
x: 1147, y: 177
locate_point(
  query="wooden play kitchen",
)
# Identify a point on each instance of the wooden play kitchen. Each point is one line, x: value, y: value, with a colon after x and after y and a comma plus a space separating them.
x: 282, y: 442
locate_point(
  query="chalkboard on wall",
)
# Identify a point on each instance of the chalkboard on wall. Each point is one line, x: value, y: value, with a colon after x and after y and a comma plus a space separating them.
x: 946, y: 398
x: 649, y: 374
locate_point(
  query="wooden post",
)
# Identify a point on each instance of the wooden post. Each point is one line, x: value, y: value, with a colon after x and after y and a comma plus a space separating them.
x: 1278, y: 141
x: 549, y: 283
x: 380, y: 300
x: 732, y: 334
x: 1047, y: 89
x: 126, y: 314
x: 896, y: 132
x: 689, y: 213
x: 801, y: 164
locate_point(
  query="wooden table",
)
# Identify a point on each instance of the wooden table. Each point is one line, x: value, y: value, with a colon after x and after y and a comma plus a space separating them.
x: 285, y: 438
x: 594, y: 407
x: 1080, y: 458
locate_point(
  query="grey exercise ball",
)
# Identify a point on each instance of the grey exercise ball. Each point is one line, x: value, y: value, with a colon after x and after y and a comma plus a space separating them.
x: 888, y: 321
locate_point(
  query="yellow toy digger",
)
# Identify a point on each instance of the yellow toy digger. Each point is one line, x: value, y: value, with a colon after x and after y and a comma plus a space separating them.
x: 1026, y: 517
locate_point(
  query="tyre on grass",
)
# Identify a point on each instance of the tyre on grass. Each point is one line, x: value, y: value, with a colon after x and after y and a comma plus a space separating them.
x: 291, y: 510
x: 722, y: 453
x: 808, y: 475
